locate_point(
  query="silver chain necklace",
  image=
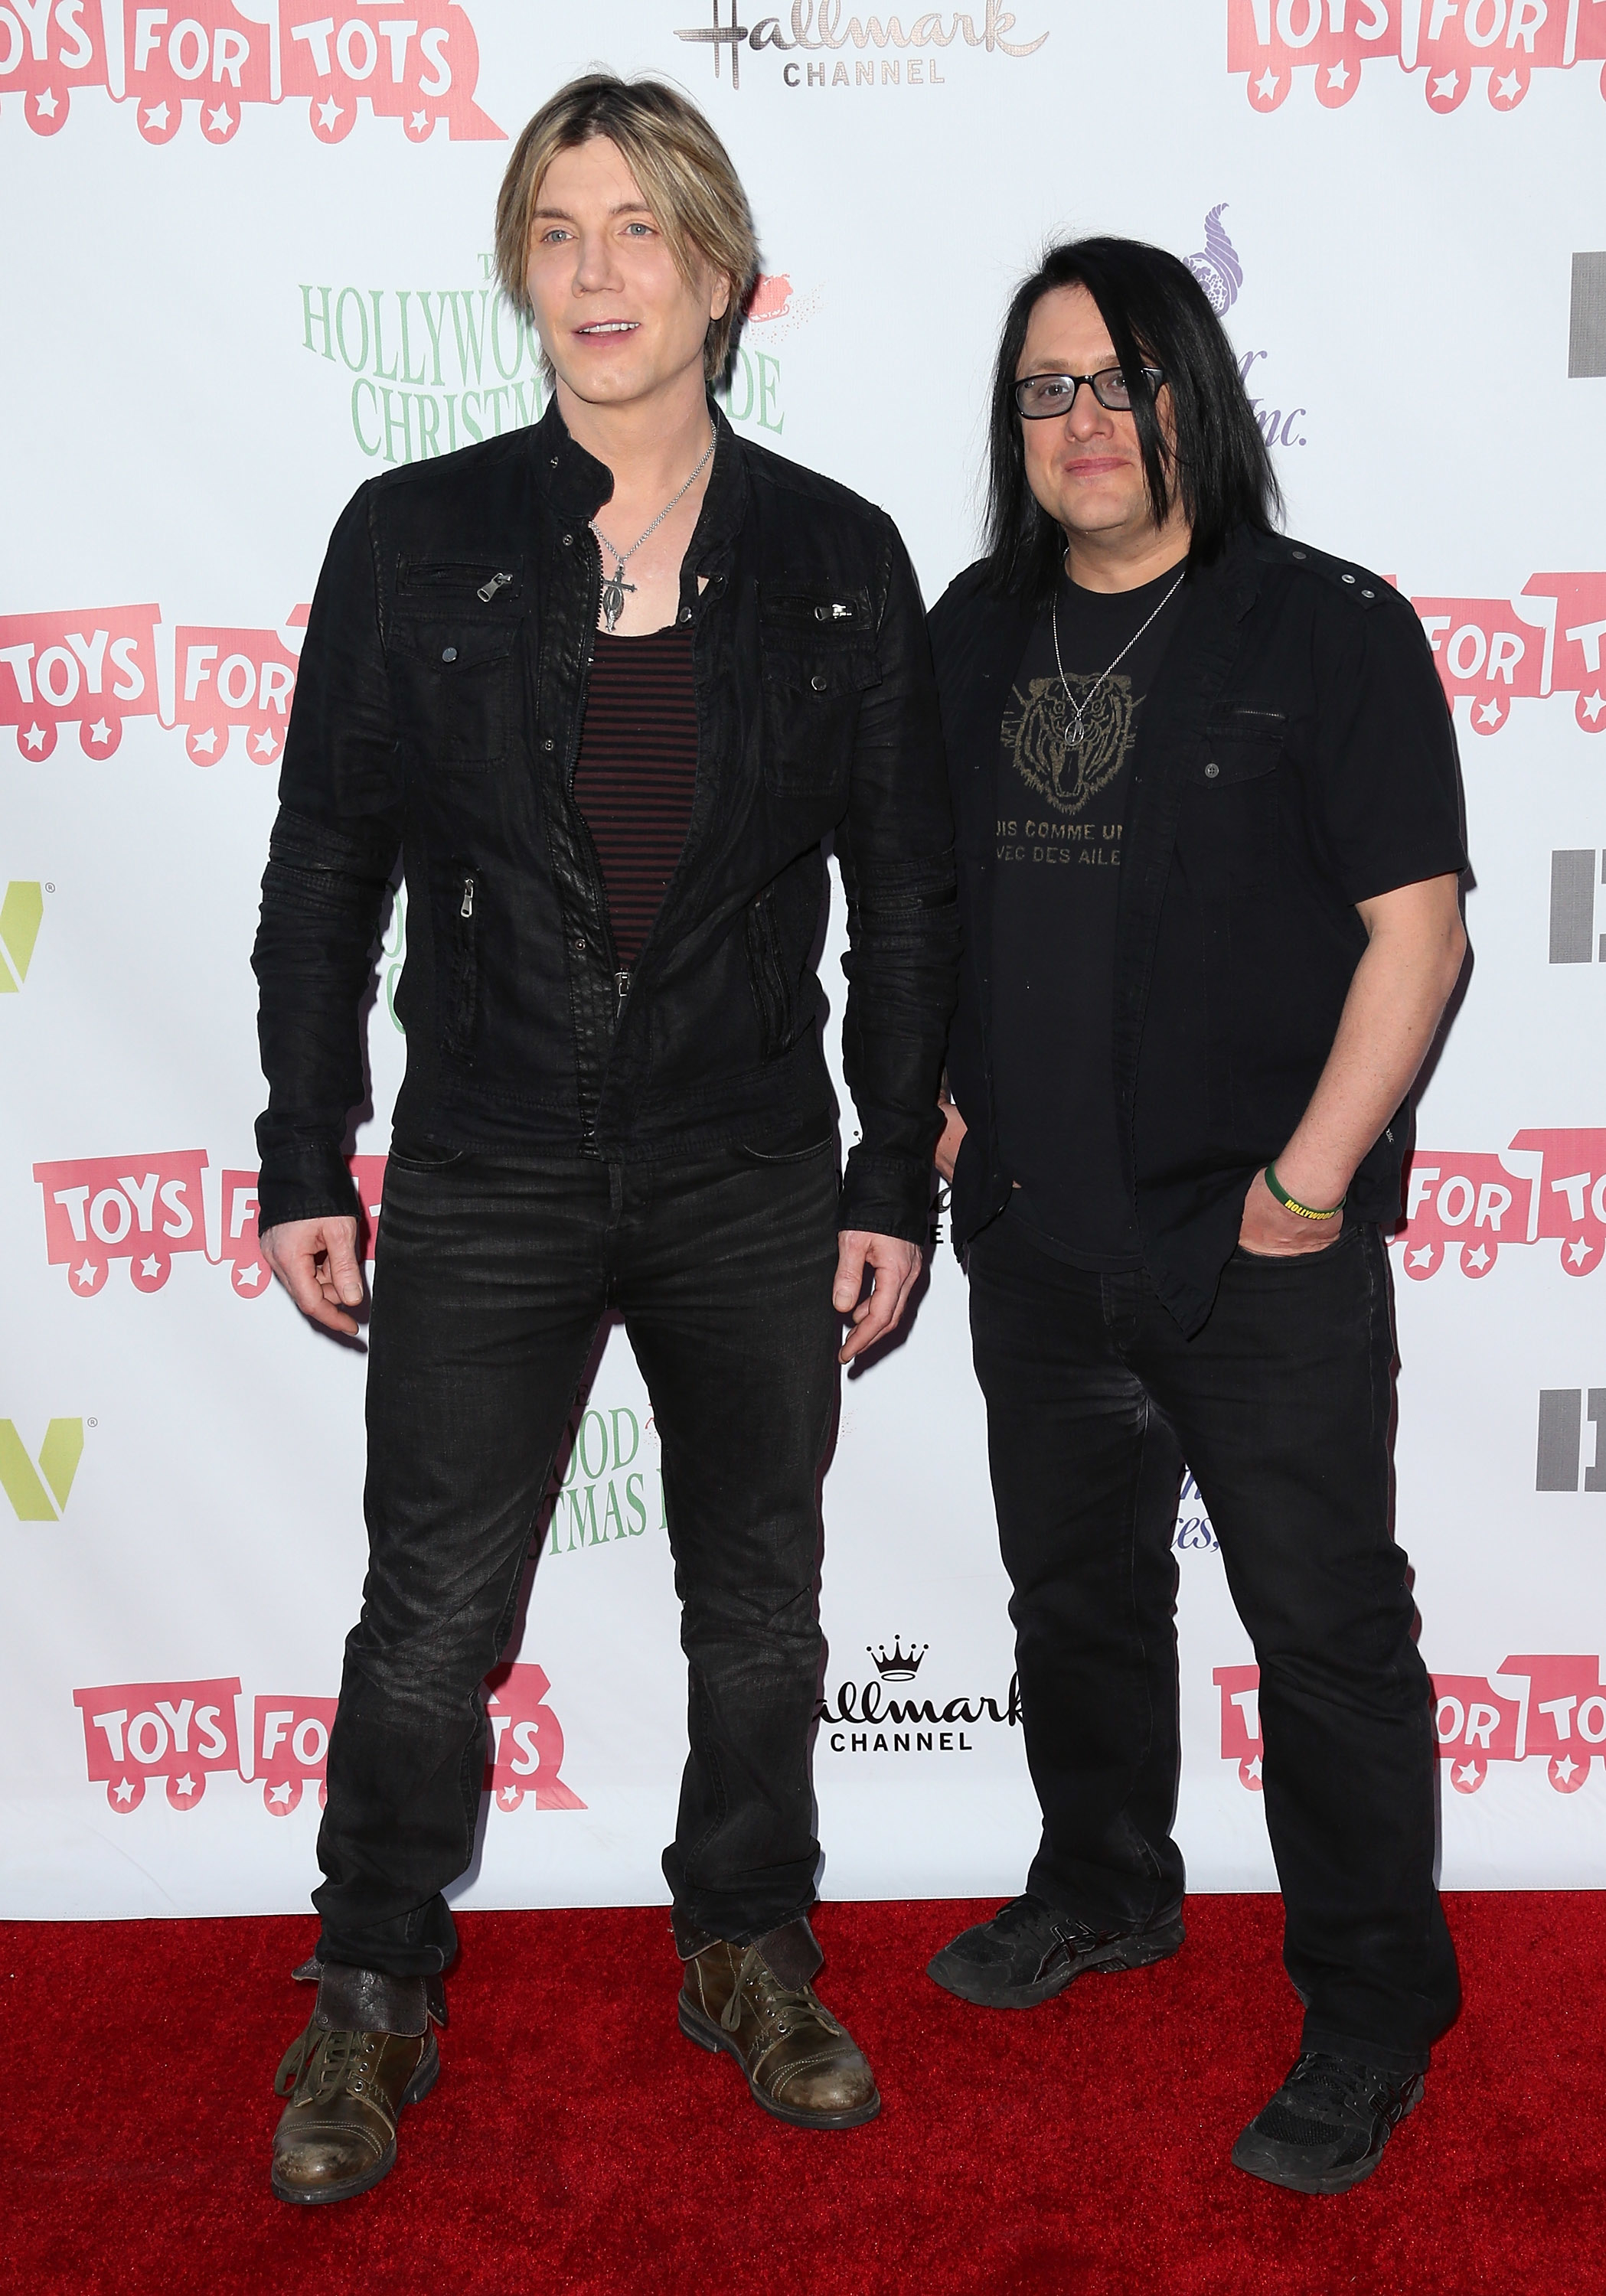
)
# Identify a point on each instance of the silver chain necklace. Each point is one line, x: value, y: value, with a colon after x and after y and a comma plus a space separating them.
x: 614, y: 585
x: 1079, y: 712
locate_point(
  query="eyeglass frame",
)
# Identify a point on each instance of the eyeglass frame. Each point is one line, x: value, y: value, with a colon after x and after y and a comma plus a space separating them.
x: 1155, y: 374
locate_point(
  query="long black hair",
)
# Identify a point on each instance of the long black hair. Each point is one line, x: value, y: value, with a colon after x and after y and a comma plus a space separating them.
x: 1156, y: 311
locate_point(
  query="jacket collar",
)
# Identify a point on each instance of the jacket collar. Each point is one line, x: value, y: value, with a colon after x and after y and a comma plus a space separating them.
x: 578, y: 485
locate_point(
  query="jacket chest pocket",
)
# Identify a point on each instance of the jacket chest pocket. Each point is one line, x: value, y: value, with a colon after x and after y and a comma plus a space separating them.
x: 1227, y: 832
x: 816, y: 660
x: 456, y: 639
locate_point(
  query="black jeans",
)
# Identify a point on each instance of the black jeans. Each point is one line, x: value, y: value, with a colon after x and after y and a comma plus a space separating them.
x: 492, y: 1274
x: 1280, y: 1405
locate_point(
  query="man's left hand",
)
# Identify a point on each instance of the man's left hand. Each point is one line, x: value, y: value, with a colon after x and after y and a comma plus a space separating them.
x: 894, y: 1265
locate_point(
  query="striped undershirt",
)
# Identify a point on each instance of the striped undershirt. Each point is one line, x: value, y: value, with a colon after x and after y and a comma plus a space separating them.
x: 637, y: 770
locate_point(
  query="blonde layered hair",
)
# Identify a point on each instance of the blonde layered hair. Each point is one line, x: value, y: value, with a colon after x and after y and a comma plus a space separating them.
x: 682, y: 170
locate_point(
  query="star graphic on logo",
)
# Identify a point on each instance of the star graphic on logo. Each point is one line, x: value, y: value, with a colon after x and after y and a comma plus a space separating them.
x: 1252, y: 1767
x: 84, y: 1276
x: 1577, y: 1250
x: 46, y: 104
x: 1467, y: 1775
x: 123, y: 1791
x: 1478, y: 1259
x: 420, y: 120
x: 1566, y: 1768
x: 1489, y: 713
x: 510, y: 1795
x: 157, y: 117
x: 1593, y: 706
x: 184, y: 1785
x: 328, y: 112
x: 1445, y: 88
x: 150, y: 1268
x: 1265, y: 86
x: 1509, y: 88
x: 220, y: 122
x: 248, y: 1278
x: 207, y: 740
x: 281, y: 1793
x: 1422, y: 1257
x: 35, y: 737
x: 100, y: 731
x: 1338, y: 75
x: 264, y: 745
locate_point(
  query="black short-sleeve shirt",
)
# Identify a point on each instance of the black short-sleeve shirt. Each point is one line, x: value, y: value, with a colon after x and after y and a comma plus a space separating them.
x: 1297, y: 757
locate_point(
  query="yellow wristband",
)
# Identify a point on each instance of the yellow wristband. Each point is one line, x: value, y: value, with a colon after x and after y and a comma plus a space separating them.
x: 1292, y: 1204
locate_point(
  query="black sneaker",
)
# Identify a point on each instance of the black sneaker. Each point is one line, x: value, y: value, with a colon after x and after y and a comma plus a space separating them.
x: 1327, y: 2125
x: 1027, y: 1953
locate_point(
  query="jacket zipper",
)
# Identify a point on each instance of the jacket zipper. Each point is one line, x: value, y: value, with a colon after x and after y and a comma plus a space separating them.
x: 486, y: 591
x: 622, y: 977
x: 467, y: 909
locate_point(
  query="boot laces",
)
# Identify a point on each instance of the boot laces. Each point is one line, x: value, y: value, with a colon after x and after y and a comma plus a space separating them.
x: 781, y: 2007
x: 317, y: 2065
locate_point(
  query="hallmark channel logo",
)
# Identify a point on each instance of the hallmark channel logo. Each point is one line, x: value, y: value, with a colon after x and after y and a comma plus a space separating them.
x: 21, y: 914
x: 1551, y: 1707
x: 39, y: 1487
x: 179, y: 1734
x: 885, y: 56
x: 151, y: 1209
x: 1450, y: 43
x: 1472, y: 1203
x: 217, y: 60
x: 866, y: 1721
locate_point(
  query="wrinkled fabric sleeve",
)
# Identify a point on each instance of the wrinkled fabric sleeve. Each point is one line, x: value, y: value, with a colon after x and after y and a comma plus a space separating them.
x: 895, y: 851
x: 331, y: 853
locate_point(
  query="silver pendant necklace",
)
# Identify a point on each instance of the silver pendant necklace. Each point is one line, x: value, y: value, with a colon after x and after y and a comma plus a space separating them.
x: 1079, y: 712
x: 614, y: 585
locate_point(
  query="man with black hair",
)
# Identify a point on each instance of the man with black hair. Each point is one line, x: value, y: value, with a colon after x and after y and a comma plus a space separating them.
x: 1210, y: 838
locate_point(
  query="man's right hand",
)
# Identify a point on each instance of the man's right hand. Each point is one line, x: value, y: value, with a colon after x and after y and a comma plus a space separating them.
x: 316, y: 1261
x: 953, y: 1133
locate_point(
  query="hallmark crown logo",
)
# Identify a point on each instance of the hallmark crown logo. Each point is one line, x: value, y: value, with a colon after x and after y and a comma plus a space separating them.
x: 900, y: 1666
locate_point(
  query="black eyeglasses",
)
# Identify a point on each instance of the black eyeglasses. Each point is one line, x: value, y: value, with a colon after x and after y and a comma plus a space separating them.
x: 1039, y: 396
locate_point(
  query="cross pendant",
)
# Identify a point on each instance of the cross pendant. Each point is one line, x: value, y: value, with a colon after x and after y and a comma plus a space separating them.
x: 612, y: 596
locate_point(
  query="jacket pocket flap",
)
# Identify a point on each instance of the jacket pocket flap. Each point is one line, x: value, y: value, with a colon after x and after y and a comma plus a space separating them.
x: 458, y: 643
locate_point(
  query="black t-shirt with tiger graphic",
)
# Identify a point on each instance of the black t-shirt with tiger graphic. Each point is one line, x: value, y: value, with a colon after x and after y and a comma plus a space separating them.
x: 1062, y: 809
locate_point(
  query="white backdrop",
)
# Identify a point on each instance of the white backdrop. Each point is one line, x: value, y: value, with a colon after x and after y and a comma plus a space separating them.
x: 205, y: 350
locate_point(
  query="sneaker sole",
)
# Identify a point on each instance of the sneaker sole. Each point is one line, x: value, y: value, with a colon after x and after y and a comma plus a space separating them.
x: 710, y: 2037
x: 303, y: 2197
x: 1268, y: 2166
x: 965, y: 1982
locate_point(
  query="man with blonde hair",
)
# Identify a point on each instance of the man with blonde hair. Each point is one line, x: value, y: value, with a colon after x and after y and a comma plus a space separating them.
x: 609, y: 683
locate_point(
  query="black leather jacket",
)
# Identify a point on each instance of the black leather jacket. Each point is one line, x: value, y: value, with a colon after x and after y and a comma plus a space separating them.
x: 438, y: 711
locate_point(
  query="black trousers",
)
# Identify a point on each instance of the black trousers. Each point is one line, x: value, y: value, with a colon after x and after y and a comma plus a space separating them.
x: 492, y: 1274
x: 1281, y: 1407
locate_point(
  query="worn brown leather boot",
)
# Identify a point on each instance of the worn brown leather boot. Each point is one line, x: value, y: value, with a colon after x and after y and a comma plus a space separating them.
x: 756, y: 2002
x: 366, y: 2053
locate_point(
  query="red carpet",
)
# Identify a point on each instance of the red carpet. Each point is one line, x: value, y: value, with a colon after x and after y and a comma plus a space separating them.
x: 576, y: 2142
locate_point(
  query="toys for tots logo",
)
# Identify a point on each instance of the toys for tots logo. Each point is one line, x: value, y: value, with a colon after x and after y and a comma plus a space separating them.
x: 136, y: 1733
x: 218, y: 59
x: 1467, y: 1203
x: 150, y: 1209
x: 1549, y: 1706
x: 96, y: 668
x: 874, y: 1716
x: 1451, y: 43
